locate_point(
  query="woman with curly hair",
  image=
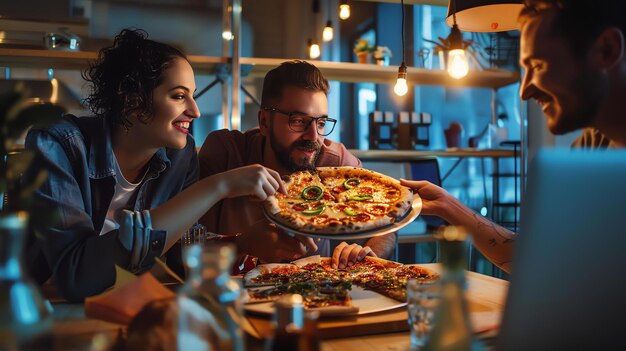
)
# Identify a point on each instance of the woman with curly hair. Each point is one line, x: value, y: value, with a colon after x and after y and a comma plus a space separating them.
x: 125, y: 181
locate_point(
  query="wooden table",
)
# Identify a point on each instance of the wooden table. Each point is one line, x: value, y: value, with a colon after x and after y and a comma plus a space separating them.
x: 486, y: 297
x: 380, y: 331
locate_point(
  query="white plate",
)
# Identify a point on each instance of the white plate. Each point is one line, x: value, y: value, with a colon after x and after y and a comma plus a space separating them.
x: 416, y: 208
x: 367, y: 301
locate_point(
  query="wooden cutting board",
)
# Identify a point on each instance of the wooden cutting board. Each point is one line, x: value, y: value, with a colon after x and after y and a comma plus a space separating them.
x: 486, y: 297
x: 338, y: 327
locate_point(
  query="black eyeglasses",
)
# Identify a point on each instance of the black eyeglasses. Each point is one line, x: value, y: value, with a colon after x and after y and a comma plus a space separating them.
x: 299, y: 122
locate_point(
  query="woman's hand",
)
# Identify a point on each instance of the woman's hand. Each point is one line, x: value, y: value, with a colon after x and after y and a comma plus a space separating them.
x: 435, y: 200
x: 254, y: 180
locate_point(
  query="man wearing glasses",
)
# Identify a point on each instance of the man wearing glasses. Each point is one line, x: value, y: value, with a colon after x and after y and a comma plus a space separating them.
x: 293, y: 124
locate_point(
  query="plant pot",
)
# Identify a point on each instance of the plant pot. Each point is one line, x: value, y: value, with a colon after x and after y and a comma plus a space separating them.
x: 363, y: 57
x: 23, y: 313
x: 382, y: 61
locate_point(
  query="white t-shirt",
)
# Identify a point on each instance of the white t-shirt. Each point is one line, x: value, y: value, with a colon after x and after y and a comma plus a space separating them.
x: 123, y: 192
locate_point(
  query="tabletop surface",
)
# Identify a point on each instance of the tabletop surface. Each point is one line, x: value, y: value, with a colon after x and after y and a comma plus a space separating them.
x: 380, y: 331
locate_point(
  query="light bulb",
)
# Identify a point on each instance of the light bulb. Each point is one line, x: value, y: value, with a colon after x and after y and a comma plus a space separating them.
x: 328, y: 32
x: 227, y: 35
x: 457, y: 64
x: 314, y: 51
x: 400, y: 88
x: 344, y: 11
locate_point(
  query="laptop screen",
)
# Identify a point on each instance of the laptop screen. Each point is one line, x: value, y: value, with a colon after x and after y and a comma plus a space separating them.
x: 427, y: 169
x: 568, y: 281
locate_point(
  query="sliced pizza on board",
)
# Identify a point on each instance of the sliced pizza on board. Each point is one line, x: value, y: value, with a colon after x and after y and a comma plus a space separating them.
x: 330, y: 290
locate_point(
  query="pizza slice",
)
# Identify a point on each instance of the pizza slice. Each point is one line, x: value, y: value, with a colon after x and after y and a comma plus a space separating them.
x: 269, y: 274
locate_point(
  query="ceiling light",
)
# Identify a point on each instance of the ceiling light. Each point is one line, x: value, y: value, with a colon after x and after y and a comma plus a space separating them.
x: 344, y: 10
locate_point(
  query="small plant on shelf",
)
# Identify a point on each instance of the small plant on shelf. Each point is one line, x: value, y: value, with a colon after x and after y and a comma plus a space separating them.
x: 363, y: 50
x: 382, y: 55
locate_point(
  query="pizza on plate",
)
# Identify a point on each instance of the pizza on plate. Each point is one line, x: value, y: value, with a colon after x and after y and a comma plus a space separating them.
x: 321, y: 286
x: 339, y: 200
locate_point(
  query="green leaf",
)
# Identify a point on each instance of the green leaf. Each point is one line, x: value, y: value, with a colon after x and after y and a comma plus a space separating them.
x: 18, y: 163
x: 7, y: 101
x: 40, y: 114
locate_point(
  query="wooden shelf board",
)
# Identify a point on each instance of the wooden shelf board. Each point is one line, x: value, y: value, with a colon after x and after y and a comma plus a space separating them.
x: 358, y: 72
x: 408, y: 155
x: 79, y: 60
x: 340, y: 71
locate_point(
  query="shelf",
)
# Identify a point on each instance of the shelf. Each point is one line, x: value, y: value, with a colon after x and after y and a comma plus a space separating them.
x: 339, y: 71
x: 358, y: 72
x: 79, y: 60
x: 505, y: 175
x: 409, y: 155
x: 506, y: 204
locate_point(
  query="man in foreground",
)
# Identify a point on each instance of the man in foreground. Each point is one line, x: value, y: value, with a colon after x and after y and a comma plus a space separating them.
x: 573, y: 54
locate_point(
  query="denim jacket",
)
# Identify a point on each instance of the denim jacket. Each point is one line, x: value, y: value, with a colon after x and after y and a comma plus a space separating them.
x: 78, y: 157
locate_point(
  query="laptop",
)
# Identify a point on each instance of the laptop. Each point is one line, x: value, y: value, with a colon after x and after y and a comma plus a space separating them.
x: 568, y: 285
x: 428, y: 169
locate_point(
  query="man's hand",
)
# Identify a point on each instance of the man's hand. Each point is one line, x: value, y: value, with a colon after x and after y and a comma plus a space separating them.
x: 346, y: 255
x: 271, y: 244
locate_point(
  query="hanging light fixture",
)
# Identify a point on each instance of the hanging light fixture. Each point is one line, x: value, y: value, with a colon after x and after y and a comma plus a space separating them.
x: 328, y: 33
x: 227, y: 34
x: 401, y: 87
x: 485, y: 15
x: 458, y: 67
x: 344, y: 10
x: 314, y: 49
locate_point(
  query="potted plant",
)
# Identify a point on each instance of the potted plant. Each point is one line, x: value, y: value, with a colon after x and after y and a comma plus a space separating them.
x: 23, y: 313
x: 363, y: 50
x: 382, y: 55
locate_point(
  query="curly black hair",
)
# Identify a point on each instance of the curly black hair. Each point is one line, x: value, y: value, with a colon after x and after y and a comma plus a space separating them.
x: 124, y: 76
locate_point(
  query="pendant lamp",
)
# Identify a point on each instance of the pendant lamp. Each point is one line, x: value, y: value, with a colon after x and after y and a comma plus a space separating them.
x: 485, y: 15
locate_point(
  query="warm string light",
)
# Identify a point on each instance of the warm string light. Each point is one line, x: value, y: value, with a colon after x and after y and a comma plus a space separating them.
x: 344, y: 10
x: 227, y: 34
x: 328, y: 32
x: 401, y: 88
x: 458, y: 67
x: 314, y: 49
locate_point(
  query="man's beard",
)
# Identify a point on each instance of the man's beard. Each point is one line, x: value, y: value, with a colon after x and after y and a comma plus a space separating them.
x: 283, y: 155
x: 580, y: 111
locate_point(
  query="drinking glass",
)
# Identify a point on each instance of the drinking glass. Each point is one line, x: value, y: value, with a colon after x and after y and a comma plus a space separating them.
x: 423, y: 297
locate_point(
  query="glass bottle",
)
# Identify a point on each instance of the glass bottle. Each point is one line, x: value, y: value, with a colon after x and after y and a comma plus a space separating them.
x: 25, y: 317
x: 210, y: 284
x: 288, y: 322
x: 452, y: 330
x: 308, y: 337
